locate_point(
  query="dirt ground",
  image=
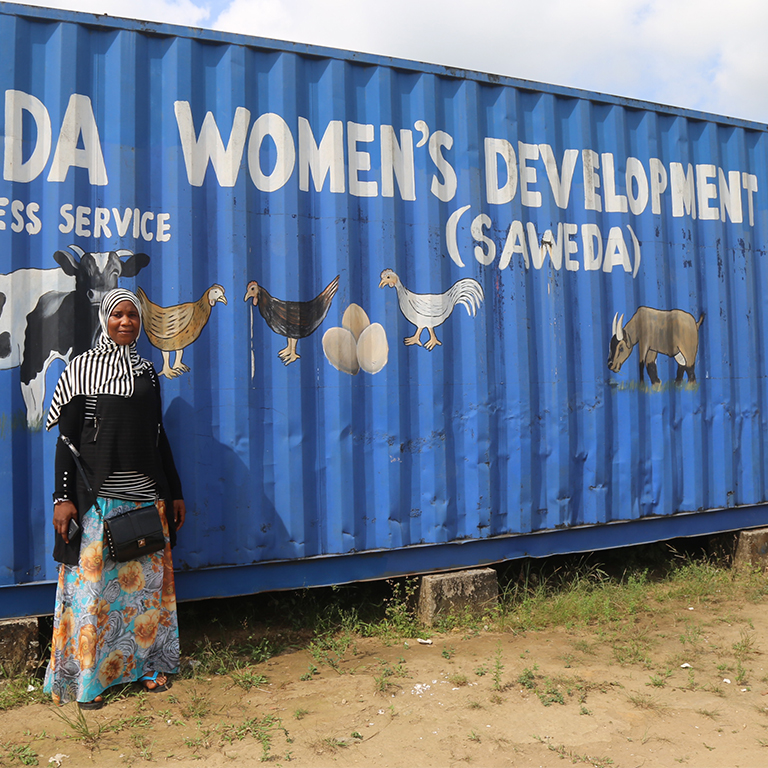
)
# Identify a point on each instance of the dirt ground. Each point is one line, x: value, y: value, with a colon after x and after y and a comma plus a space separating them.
x: 687, y: 686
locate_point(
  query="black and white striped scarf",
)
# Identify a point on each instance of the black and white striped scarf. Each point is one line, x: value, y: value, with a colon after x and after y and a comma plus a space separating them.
x: 107, y: 369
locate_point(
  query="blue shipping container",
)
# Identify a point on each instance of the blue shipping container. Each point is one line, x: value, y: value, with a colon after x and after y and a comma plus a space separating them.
x: 430, y: 318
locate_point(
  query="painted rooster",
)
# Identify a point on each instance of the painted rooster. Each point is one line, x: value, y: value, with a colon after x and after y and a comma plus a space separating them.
x: 428, y: 310
x: 172, y: 329
x: 293, y: 319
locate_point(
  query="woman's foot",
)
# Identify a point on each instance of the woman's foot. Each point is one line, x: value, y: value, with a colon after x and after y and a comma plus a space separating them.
x: 155, y: 682
x: 97, y: 703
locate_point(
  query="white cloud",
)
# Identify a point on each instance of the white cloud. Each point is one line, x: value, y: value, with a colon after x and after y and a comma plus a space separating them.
x: 693, y: 53
x: 183, y: 12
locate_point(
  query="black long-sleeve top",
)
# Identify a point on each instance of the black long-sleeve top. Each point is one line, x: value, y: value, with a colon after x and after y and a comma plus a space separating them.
x: 125, y: 434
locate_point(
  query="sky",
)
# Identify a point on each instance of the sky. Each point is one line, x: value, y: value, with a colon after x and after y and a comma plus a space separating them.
x: 699, y: 54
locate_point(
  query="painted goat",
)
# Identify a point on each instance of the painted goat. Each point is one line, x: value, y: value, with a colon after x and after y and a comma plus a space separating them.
x: 668, y: 332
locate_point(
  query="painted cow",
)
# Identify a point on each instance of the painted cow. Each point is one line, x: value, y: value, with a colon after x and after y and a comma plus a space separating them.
x: 655, y: 331
x: 50, y: 314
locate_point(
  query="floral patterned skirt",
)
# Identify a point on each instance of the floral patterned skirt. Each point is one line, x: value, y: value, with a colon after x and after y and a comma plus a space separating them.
x: 113, y: 622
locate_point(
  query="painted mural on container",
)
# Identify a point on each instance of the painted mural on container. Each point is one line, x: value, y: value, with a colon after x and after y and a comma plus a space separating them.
x: 674, y: 333
x: 292, y: 319
x: 434, y: 267
x: 173, y: 329
x: 52, y: 314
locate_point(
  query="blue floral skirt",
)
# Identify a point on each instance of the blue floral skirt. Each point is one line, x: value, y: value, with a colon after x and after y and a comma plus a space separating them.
x: 113, y: 622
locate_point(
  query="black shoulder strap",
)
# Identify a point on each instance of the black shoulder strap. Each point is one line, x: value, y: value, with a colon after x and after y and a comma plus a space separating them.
x: 76, y: 456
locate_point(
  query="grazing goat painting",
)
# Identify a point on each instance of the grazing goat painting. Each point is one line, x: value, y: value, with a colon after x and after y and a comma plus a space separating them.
x: 670, y: 332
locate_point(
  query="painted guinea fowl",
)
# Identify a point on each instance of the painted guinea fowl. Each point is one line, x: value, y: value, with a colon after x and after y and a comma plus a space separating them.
x: 293, y: 319
x: 428, y: 310
x: 171, y: 329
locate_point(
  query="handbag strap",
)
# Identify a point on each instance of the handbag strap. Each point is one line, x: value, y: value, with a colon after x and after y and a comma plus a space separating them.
x: 76, y: 456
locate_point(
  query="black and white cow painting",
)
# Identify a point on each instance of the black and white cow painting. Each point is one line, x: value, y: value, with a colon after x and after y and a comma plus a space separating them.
x: 52, y: 314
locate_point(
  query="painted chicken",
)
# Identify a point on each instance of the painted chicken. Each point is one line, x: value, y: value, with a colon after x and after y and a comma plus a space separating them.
x: 428, y: 310
x: 293, y: 319
x: 172, y: 329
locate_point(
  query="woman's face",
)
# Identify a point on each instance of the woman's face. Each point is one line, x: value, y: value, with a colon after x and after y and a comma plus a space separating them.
x: 124, y: 323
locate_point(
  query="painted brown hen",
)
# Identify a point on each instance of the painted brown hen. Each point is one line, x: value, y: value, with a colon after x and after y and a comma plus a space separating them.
x: 293, y: 319
x: 171, y: 329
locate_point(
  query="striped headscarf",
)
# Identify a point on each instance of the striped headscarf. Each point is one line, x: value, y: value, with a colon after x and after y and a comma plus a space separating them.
x: 107, y: 369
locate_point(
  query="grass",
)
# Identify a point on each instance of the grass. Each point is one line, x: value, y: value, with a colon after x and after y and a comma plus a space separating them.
x: 79, y: 726
x: 330, y: 744
x: 383, y: 682
x: 15, y: 692
x: 527, y: 678
x: 197, y: 707
x: 498, y: 669
x: 660, y: 680
x: 331, y: 648
x: 248, y: 678
x: 745, y: 646
x: 609, y: 607
x: 18, y: 754
x: 643, y: 701
x: 574, y: 757
x: 262, y: 729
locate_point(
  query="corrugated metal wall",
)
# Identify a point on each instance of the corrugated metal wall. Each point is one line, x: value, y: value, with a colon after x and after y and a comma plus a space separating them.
x: 514, y: 423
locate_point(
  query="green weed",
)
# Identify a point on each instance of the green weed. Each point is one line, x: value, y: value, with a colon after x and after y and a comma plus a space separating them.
x: 660, y: 680
x: 331, y: 649
x: 310, y: 673
x: 574, y: 757
x: 260, y: 728
x: 498, y: 669
x: 14, y: 692
x: 332, y: 744
x: 692, y: 635
x: 527, y: 678
x: 23, y: 754
x: 399, y: 611
x: 550, y: 694
x: 383, y: 681
x: 745, y: 646
x: 203, y: 740
x: 642, y: 701
x: 142, y: 745
x: 457, y: 679
x: 248, y: 678
x: 81, y: 729
x: 197, y: 707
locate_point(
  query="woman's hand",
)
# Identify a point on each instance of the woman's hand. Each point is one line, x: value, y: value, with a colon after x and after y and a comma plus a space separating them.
x: 63, y: 512
x: 179, y: 512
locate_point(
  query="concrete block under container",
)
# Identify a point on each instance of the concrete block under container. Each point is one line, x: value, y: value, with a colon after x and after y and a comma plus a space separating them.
x: 19, y: 646
x: 474, y: 591
x: 752, y: 549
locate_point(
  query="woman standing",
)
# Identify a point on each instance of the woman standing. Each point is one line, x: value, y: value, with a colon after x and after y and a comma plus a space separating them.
x: 114, y: 622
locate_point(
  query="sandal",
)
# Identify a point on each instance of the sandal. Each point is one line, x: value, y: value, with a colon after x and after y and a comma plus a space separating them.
x: 97, y: 703
x: 152, y: 678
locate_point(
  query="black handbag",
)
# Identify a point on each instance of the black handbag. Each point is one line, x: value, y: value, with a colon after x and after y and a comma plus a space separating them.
x: 129, y: 535
x: 134, y: 533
